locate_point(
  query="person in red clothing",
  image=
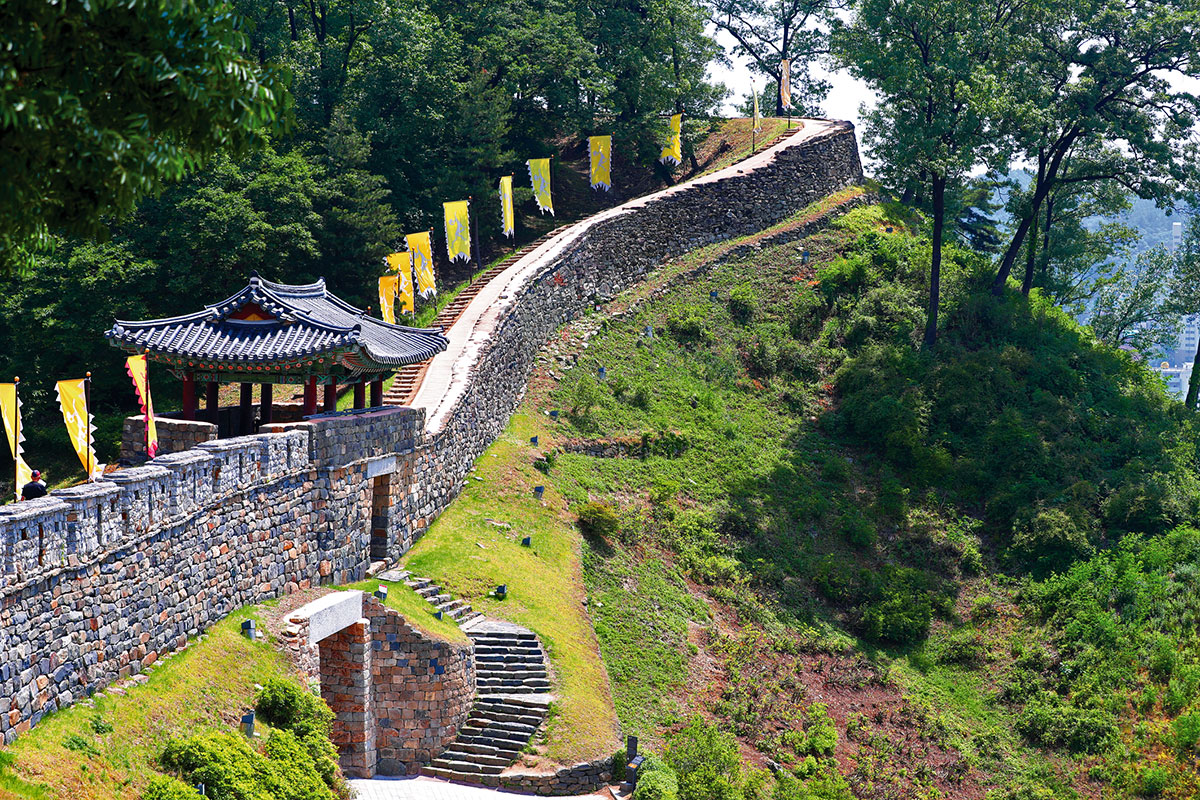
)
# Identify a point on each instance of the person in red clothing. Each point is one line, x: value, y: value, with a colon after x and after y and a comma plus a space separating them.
x: 35, y: 488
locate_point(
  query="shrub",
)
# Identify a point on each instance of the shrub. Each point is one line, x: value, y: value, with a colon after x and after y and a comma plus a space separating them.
x: 1152, y: 781
x: 620, y: 762
x: 293, y: 762
x: 822, y: 735
x: 79, y: 744
x: 585, y: 394
x: 1050, y: 540
x: 1049, y: 721
x: 964, y: 647
x: 1187, y: 731
x: 707, y: 762
x: 599, y: 519
x: 657, y: 785
x: 286, y: 704
x: 743, y: 303
x: 689, y: 325
x: 164, y: 787
x: 225, y: 763
x: 902, y: 608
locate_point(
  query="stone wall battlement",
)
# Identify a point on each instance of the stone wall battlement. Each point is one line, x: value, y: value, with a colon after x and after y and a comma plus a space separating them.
x: 98, y: 580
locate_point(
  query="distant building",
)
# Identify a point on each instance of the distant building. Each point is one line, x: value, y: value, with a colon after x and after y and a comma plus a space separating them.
x: 1176, y: 377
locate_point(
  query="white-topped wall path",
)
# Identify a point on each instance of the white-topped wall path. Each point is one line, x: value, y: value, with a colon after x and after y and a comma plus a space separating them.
x: 448, y: 374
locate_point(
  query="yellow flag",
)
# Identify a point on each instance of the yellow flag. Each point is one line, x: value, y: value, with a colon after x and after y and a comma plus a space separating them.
x: 10, y: 410
x: 508, y: 219
x: 785, y: 83
x: 601, y: 150
x: 539, y: 177
x: 387, y: 298
x: 402, y: 289
x: 139, y: 371
x: 458, y: 229
x: 72, y: 398
x: 420, y: 251
x: 757, y: 126
x: 672, y: 152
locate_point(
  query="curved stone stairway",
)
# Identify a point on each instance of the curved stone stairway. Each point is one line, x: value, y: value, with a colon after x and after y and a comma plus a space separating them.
x: 512, y: 690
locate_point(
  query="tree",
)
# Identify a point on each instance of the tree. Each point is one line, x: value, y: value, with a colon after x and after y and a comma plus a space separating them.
x: 1098, y: 104
x: 104, y: 102
x: 940, y: 106
x: 1135, y: 309
x: 767, y: 31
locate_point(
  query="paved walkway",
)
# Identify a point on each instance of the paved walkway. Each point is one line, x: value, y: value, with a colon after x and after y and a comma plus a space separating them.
x: 448, y: 374
x: 422, y: 788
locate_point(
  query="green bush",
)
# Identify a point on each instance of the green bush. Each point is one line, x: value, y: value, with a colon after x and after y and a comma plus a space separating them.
x: 964, y: 647
x: 620, y: 762
x: 1050, y: 540
x: 689, y: 325
x: 288, y: 705
x: 706, y: 761
x: 232, y: 769
x: 1186, y: 728
x: 599, y: 519
x: 902, y: 608
x: 658, y: 785
x: 1049, y: 721
x: 164, y: 787
x: 1152, y: 781
x: 743, y: 303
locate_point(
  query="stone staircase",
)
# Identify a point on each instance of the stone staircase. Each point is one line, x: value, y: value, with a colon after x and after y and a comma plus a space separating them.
x: 511, y: 702
x: 512, y: 689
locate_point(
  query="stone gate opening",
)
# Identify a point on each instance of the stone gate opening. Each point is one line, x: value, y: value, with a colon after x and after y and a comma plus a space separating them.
x: 381, y: 505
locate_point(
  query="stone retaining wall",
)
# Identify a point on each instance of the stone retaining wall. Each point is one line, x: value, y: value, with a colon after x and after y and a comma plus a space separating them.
x: 98, y: 580
x: 578, y: 779
x: 174, y: 436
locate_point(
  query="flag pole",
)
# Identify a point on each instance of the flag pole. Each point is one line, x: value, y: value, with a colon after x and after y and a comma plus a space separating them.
x: 87, y: 420
x: 473, y: 221
x: 16, y: 437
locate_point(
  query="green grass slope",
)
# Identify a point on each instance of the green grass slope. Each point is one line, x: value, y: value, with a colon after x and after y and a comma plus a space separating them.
x: 933, y: 574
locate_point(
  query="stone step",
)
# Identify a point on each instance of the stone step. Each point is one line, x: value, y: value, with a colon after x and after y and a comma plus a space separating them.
x: 417, y: 584
x: 486, y: 690
x: 429, y: 590
x: 458, y: 613
x: 453, y: 775
x: 534, y: 670
x: 538, y: 705
x: 455, y: 754
x: 507, y: 657
x: 467, y: 766
x: 487, y: 749
x: 438, y: 599
x: 508, y: 745
x: 501, y: 725
x: 533, y: 683
x: 498, y: 716
x: 482, y: 649
x: 498, y: 637
x: 520, y: 737
x: 451, y: 606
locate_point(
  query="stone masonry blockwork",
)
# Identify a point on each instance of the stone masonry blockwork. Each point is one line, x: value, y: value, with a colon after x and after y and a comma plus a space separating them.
x: 96, y: 582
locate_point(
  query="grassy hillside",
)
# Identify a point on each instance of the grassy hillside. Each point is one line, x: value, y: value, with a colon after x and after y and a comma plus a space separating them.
x: 891, y: 573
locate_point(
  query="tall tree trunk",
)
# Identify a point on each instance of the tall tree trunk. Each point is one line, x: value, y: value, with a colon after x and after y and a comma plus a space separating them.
x: 1031, y: 256
x: 935, y: 263
x: 1059, y: 152
x: 1046, y: 240
x: 1189, y: 402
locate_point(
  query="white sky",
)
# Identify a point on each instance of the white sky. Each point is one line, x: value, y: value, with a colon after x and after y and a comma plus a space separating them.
x: 844, y: 100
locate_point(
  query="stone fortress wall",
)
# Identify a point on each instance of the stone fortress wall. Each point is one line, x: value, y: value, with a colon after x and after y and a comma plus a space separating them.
x: 97, y: 581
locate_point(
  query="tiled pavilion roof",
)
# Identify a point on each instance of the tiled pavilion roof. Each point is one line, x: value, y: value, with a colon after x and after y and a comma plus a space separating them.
x: 271, y: 330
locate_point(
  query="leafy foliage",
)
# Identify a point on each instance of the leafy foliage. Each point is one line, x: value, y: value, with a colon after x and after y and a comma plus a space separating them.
x: 105, y: 102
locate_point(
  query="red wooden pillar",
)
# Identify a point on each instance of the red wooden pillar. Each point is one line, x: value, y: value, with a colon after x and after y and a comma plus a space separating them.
x: 189, y: 395
x: 265, y: 403
x: 331, y: 395
x: 310, y: 396
x: 360, y: 395
x: 212, y: 402
x: 246, y: 405
x: 376, y: 393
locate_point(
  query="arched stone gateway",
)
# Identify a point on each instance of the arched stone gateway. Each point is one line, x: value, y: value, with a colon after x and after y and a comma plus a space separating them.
x: 399, y: 695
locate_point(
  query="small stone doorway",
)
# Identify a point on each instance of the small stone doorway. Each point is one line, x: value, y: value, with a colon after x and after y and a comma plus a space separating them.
x: 381, y: 510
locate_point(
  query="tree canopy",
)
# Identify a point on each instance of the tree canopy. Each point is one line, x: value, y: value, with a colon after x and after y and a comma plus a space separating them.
x: 102, y: 103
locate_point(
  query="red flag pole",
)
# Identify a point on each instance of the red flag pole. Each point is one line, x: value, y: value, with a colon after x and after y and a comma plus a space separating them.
x: 87, y: 421
x: 16, y: 437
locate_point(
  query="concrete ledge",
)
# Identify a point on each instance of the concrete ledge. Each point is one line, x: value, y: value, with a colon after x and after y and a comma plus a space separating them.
x: 329, y: 614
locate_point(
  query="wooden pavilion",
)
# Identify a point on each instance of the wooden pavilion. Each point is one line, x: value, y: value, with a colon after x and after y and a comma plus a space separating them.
x: 273, y: 333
